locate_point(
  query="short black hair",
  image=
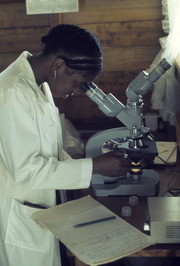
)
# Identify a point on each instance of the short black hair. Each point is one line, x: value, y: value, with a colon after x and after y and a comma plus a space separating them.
x: 78, y: 47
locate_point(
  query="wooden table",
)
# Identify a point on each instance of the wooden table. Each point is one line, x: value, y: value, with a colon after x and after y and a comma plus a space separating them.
x: 139, y: 213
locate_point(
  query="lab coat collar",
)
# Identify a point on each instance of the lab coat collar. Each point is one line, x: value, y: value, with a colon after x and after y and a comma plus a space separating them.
x: 25, y: 70
x: 29, y: 77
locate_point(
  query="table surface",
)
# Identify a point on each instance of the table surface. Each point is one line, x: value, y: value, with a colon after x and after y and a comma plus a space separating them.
x: 139, y: 212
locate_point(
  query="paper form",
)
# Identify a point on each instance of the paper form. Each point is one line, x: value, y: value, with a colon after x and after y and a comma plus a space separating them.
x: 51, y: 6
x: 93, y: 244
x: 167, y: 150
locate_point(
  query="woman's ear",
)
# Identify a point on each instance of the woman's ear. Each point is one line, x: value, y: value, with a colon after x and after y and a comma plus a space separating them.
x: 58, y: 64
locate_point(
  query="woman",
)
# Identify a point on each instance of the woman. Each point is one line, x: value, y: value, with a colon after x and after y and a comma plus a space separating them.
x: 32, y: 161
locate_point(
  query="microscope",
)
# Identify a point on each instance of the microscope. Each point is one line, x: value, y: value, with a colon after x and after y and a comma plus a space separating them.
x: 134, y: 139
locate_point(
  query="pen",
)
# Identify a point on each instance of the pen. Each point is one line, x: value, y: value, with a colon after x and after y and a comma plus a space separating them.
x: 96, y: 221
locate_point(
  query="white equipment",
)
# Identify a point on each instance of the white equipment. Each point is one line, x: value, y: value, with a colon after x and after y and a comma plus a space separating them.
x: 164, y: 219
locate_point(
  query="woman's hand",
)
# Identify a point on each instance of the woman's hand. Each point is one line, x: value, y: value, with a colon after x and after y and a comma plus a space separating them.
x: 111, y: 164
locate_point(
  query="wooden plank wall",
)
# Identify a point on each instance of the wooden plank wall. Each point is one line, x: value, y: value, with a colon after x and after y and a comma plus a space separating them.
x: 129, y: 31
x: 19, y: 31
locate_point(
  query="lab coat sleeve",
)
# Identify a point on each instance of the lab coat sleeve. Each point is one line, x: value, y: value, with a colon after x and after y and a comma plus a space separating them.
x: 20, y: 151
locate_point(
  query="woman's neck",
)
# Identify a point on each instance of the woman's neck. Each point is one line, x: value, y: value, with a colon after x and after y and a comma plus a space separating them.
x: 40, y: 66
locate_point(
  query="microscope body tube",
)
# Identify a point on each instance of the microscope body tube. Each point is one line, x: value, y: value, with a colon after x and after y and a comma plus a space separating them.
x: 131, y: 114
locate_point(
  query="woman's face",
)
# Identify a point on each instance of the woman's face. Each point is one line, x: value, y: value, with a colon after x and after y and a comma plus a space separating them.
x: 67, y: 82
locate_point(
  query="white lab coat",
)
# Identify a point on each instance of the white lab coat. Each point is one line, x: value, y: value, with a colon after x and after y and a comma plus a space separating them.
x: 32, y: 166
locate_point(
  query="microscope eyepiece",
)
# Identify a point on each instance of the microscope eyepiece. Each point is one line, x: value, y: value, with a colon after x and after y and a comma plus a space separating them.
x: 86, y: 86
x: 165, y: 63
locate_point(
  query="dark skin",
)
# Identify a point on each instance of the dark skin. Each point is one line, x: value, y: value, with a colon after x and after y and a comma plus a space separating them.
x: 63, y: 82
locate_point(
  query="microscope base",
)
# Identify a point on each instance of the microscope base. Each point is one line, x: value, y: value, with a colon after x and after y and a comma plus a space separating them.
x: 148, y: 185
